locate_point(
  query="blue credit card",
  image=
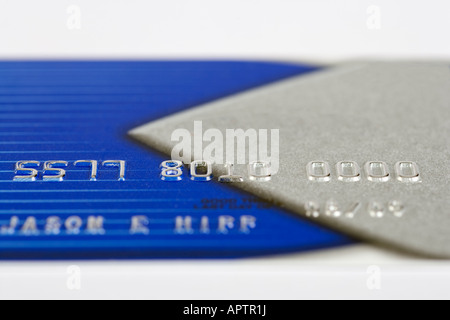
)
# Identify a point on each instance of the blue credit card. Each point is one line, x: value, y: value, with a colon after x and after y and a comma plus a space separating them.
x: 74, y: 185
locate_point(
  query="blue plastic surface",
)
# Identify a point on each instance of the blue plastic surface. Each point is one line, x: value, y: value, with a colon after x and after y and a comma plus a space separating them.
x: 82, y: 111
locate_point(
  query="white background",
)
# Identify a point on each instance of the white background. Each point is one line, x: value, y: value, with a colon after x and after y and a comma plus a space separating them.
x: 320, y: 30
x: 323, y: 31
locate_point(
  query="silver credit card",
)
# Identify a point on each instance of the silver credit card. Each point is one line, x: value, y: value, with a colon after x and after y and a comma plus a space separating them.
x: 363, y: 148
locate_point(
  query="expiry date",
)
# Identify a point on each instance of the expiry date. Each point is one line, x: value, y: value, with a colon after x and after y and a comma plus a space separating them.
x: 375, y: 209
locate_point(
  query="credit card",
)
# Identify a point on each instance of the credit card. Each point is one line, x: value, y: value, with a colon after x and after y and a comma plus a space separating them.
x: 74, y: 185
x: 362, y: 148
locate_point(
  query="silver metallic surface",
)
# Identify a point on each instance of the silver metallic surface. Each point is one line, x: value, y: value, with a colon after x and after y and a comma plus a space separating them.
x: 230, y: 176
x: 364, y: 112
